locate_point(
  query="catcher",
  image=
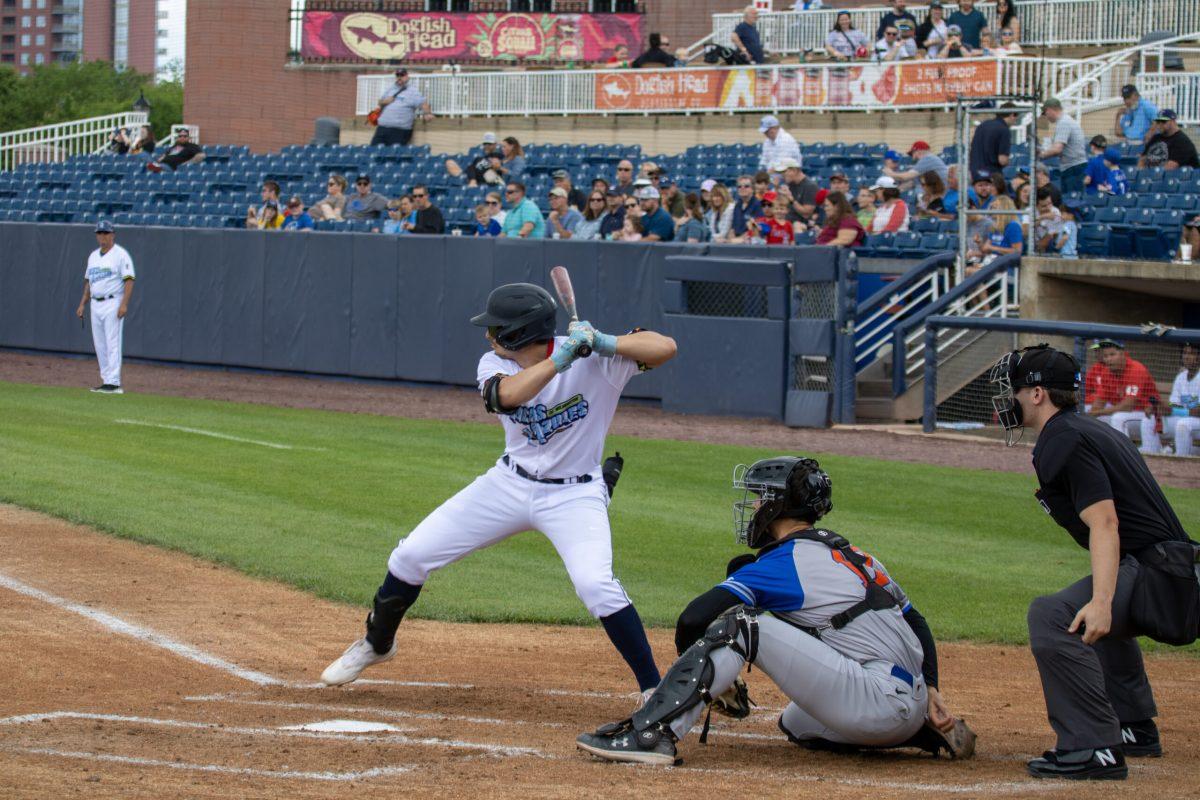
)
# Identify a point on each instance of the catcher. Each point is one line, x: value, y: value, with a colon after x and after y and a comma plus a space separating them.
x: 822, y: 619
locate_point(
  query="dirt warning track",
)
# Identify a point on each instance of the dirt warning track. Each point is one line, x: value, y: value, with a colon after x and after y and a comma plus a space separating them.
x: 131, y: 671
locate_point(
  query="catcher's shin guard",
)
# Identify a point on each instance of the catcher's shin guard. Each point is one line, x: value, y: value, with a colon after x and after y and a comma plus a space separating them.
x: 383, y: 621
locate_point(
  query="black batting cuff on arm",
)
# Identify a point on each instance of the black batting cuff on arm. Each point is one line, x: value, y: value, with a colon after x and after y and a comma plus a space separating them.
x: 700, y: 613
x: 929, y: 668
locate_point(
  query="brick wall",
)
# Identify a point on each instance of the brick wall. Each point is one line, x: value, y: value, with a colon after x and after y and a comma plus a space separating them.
x: 143, y: 35
x: 97, y: 30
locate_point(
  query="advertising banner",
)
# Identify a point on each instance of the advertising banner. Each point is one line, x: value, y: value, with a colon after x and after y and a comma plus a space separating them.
x: 370, y: 36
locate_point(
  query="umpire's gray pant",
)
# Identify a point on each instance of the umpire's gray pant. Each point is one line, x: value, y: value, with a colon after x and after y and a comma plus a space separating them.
x: 1090, y: 690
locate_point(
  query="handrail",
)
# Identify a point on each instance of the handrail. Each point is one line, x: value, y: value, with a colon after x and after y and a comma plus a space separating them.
x: 64, y: 139
x: 899, y: 366
x: 917, y: 273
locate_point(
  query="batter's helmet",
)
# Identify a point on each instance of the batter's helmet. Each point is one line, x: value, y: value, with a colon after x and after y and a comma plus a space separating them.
x: 518, y: 314
x: 788, y: 487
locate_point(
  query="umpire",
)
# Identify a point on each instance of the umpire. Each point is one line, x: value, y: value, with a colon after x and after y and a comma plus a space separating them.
x: 1144, y: 579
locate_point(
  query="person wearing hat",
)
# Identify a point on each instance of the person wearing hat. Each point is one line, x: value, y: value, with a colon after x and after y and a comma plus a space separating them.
x: 476, y: 171
x: 297, y: 219
x: 797, y: 190
x: 1181, y: 418
x: 183, y: 151
x: 955, y: 48
x: 924, y: 161
x: 1136, y: 116
x: 889, y: 47
x: 891, y: 215
x: 1095, y: 485
x: 365, y: 203
x: 563, y: 218
x: 256, y: 216
x: 399, y: 105
x: 908, y: 39
x: 777, y: 144
x: 1115, y: 183
x: 890, y: 18
x: 1096, y: 173
x: 1169, y: 147
x: 1068, y: 143
x: 1128, y: 394
x: 108, y: 285
x: 657, y: 224
x: 575, y: 197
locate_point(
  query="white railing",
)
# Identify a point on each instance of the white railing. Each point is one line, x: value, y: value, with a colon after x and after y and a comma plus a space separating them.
x: 873, y: 333
x: 811, y: 87
x: 997, y: 297
x: 60, y: 142
x: 1043, y: 22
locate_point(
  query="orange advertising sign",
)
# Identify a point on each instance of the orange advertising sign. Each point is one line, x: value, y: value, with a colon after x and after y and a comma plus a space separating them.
x: 943, y: 81
x: 681, y: 89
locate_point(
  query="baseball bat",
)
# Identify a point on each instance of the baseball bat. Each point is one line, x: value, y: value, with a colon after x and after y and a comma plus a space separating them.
x: 566, y: 296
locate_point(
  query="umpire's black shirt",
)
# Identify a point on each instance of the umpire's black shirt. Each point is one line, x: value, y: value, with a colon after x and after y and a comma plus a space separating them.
x: 1080, y: 460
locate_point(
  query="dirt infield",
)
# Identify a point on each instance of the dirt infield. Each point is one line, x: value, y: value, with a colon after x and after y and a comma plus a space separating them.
x: 898, y: 444
x: 134, y: 672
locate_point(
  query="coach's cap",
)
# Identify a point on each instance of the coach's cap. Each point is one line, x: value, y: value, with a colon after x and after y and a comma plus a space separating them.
x: 558, y: 191
x: 489, y: 137
x: 707, y: 185
x: 1112, y: 154
x: 104, y: 226
x: 1166, y: 114
x: 768, y: 122
x: 647, y: 193
x: 1100, y: 344
x: 560, y: 173
x: 1045, y: 366
x: 1128, y: 90
x: 883, y: 182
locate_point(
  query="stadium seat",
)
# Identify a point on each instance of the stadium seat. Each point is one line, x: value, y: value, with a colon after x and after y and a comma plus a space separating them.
x: 1093, y: 239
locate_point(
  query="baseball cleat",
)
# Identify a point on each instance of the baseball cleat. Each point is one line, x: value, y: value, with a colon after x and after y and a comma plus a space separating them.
x: 619, y: 742
x: 1140, y: 739
x: 1100, y: 764
x: 351, y: 663
x: 108, y: 388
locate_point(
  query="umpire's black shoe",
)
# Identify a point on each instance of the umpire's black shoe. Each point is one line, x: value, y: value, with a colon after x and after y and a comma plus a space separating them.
x: 1140, y: 739
x: 1100, y: 764
x: 618, y: 741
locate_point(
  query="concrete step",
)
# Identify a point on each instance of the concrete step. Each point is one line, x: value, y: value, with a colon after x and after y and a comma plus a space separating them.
x: 873, y: 408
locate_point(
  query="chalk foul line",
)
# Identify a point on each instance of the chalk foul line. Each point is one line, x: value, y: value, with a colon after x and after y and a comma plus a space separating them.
x: 215, y: 435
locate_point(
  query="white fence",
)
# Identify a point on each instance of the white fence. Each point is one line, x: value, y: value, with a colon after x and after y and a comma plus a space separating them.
x: 60, y: 142
x: 810, y: 87
x: 1043, y: 22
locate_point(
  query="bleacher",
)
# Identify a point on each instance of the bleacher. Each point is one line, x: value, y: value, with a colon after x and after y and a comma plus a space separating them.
x: 216, y: 193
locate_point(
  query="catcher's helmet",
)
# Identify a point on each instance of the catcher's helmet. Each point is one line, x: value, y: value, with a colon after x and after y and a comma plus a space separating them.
x: 518, y: 314
x: 788, y: 486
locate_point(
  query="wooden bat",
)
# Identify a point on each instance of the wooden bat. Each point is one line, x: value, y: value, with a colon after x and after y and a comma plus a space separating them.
x: 566, y: 297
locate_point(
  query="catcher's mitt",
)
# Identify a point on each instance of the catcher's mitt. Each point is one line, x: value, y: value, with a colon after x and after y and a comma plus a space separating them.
x: 734, y: 702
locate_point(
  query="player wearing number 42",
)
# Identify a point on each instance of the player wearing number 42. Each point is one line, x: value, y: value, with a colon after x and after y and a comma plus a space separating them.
x: 842, y: 641
x: 555, y: 407
x: 108, y: 284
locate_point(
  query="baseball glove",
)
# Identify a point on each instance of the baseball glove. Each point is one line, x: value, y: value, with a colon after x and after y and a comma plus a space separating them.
x: 734, y: 702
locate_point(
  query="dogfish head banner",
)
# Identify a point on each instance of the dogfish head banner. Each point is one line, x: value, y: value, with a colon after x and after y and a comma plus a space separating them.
x: 854, y: 86
x: 370, y: 36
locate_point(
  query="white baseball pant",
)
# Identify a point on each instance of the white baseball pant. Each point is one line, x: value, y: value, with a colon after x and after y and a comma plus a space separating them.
x: 1181, y: 428
x: 107, y: 330
x: 499, y: 504
x: 1126, y: 421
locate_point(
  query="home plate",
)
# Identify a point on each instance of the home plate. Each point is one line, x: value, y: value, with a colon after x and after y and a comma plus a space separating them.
x: 345, y: 726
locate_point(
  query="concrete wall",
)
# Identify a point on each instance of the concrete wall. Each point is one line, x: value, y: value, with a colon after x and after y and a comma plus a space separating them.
x: 1115, y: 292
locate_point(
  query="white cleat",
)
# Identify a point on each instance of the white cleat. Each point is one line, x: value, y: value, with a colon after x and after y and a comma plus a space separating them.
x: 351, y: 663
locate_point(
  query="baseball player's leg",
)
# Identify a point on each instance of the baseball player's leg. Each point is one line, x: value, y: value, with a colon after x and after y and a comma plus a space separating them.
x: 1151, y: 443
x: 1186, y: 431
x: 100, y: 338
x: 116, y: 340
x: 1127, y: 421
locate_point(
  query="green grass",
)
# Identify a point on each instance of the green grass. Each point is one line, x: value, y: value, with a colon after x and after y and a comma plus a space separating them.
x: 970, y: 547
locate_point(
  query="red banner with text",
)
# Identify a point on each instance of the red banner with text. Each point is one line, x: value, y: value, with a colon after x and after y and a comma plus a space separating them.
x: 370, y: 36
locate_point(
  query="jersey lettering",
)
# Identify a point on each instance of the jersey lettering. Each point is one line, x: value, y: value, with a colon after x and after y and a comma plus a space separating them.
x: 876, y: 575
x: 542, y: 424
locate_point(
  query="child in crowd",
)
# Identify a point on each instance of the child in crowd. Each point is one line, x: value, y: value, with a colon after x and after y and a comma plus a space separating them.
x: 1115, y: 182
x: 399, y: 212
x: 866, y: 207
x: 779, y: 228
x: 1068, y: 241
x: 1096, y: 173
x: 485, y: 224
x: 631, y: 230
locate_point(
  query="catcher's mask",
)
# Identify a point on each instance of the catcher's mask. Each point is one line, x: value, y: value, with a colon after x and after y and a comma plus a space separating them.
x: 774, y: 488
x: 1039, y: 365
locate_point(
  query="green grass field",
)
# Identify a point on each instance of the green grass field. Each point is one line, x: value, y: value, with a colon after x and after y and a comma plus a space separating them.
x: 970, y: 547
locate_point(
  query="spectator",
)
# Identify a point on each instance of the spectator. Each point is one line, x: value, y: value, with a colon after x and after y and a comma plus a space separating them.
x: 428, y: 216
x: 1169, y: 148
x: 401, y: 216
x: 719, y: 216
x: 297, y: 218
x: 631, y: 230
x: 980, y: 198
x: 889, y: 47
x: 762, y: 185
x: 932, y: 202
x: 1006, y: 17
x: 1009, y: 45
x: 746, y: 39
x: 485, y: 224
x: 1006, y: 236
x: 891, y: 18
x: 841, y: 229
x: 991, y: 146
x: 271, y: 220
x: 1181, y: 419
x: 692, y: 228
x: 364, y: 203
x: 593, y: 218
x: 838, y: 182
x: 1067, y: 144
x: 614, y: 215
x: 950, y: 200
x: 512, y: 162
x: 575, y: 197
x: 706, y: 187
x: 1095, y: 173
x: 599, y: 185
x: 1043, y: 182
x: 645, y: 170
x: 523, y: 220
x: 780, y: 229
x: 924, y: 161
x: 477, y: 171
x: 797, y: 191
x: 866, y: 207
x: 970, y: 22
x: 1190, y: 235
x: 987, y: 43
x: 125, y: 142
x: 955, y: 48
x: 624, y: 184
x: 746, y: 209
x: 269, y: 194
x: 658, y: 54
x: 1049, y: 225
x: 184, y: 151
x: 1124, y: 400
x: 398, y: 112
x: 619, y: 59
x: 892, y: 214
x: 1136, y: 117
x: 845, y: 42
x: 563, y: 218
x: 672, y: 199
x: 931, y: 34
x: 495, y: 207
x: 999, y: 185
x: 908, y: 39
x: 1068, y: 241
x: 334, y: 203
x: 777, y: 144
x: 656, y: 222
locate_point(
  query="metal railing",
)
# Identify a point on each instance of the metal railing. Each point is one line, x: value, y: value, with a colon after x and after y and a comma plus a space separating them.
x: 1043, y: 22
x: 59, y: 142
x: 876, y: 316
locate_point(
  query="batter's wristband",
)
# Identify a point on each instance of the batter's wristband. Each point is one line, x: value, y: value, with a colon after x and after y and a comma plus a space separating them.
x: 604, y: 344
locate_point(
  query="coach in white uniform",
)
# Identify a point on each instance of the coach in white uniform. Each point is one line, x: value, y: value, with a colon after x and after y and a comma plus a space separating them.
x: 1182, y: 418
x: 108, y: 284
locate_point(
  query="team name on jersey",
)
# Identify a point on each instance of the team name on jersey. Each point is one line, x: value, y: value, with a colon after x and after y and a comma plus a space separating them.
x: 542, y: 423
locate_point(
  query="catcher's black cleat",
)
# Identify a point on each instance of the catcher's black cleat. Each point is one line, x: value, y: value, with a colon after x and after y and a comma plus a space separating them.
x: 1100, y: 764
x: 1140, y: 739
x: 818, y: 744
x: 618, y: 741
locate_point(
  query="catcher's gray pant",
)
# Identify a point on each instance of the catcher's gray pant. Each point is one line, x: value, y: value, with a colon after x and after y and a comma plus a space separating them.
x: 833, y: 697
x: 1090, y: 689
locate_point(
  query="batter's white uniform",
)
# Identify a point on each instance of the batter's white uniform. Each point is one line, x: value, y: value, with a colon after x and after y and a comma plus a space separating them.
x: 106, y: 275
x: 1185, y: 393
x: 559, y: 434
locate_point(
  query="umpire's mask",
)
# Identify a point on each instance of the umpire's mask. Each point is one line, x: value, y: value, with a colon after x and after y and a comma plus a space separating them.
x: 1039, y: 365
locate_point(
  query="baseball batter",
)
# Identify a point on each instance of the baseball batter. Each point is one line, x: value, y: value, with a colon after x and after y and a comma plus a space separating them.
x: 108, y: 284
x: 824, y: 620
x: 555, y: 409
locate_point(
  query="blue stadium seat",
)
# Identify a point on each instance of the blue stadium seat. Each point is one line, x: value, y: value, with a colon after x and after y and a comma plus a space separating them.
x: 1093, y: 239
x: 1154, y: 200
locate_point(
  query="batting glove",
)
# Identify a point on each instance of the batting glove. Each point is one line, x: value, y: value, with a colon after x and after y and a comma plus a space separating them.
x: 585, y: 329
x: 566, y: 353
x: 604, y: 344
